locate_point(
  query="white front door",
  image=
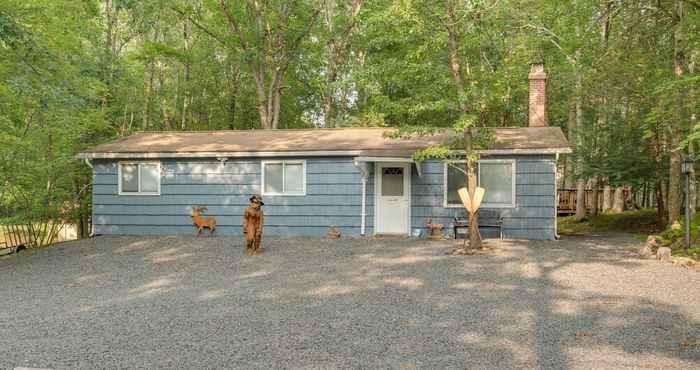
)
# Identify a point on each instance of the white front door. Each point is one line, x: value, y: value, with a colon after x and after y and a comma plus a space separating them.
x: 393, y: 194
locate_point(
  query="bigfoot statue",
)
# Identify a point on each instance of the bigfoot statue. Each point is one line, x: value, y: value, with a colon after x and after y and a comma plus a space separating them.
x: 253, y: 225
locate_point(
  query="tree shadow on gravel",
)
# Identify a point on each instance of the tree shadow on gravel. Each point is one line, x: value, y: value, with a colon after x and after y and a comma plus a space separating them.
x: 316, y: 303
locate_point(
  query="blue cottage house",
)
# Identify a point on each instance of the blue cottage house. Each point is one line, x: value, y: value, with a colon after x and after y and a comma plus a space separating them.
x: 353, y: 178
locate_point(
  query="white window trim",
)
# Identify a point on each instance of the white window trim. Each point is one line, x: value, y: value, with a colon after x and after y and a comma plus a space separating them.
x: 284, y: 174
x: 478, y: 181
x: 138, y: 172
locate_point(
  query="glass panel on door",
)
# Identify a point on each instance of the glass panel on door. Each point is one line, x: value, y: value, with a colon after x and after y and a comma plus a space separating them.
x: 392, y: 181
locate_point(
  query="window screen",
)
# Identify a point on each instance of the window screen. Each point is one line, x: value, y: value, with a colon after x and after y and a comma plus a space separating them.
x: 497, y: 179
x: 455, y: 179
x: 293, y: 178
x: 139, y: 178
x: 130, y: 178
x: 273, y: 178
x: 149, y: 175
x: 283, y: 178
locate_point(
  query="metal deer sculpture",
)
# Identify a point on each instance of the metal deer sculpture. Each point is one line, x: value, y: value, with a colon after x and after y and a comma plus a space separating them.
x: 208, y: 222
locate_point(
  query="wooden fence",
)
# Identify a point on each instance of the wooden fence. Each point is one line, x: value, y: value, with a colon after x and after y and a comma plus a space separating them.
x: 567, y: 199
x: 13, y: 236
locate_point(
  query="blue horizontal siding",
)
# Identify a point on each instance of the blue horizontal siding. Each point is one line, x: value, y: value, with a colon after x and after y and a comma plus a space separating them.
x: 333, y: 198
x: 240, y: 189
x: 231, y: 200
x: 533, y: 216
x: 186, y: 220
x: 225, y: 211
x: 225, y: 230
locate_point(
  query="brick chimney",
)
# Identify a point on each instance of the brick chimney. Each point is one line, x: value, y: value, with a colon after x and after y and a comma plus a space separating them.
x: 537, y: 101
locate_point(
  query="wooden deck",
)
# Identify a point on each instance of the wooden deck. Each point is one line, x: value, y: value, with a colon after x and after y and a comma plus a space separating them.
x: 567, y: 200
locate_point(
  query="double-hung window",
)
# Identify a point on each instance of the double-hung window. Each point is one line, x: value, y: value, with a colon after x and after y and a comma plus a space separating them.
x: 284, y: 177
x: 497, y: 176
x: 139, y: 178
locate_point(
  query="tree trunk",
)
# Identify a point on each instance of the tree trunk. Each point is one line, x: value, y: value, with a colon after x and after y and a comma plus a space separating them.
x: 594, y: 196
x: 276, y: 107
x: 269, y: 57
x: 660, y: 204
x: 674, y: 185
x: 619, y: 200
x: 602, y: 107
x: 163, y: 98
x: 697, y: 197
x: 455, y: 68
x: 580, y: 182
x: 607, y: 198
x: 232, y: 110
x: 262, y: 100
x: 570, y: 175
x: 580, y: 200
x: 186, y: 95
x: 692, y: 123
x: 147, y: 90
x: 233, y: 86
x: 328, y: 117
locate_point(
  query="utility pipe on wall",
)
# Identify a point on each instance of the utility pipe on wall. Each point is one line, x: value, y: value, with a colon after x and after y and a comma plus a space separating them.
x: 364, y: 201
x: 364, y: 171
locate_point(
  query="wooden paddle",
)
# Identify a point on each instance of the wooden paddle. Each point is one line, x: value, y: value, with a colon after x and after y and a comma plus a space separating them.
x: 472, y: 205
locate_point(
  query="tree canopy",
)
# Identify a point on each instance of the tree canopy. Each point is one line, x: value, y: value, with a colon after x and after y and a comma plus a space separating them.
x: 623, y: 80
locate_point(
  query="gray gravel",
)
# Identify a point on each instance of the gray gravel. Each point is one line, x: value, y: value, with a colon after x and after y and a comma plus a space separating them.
x: 181, y: 302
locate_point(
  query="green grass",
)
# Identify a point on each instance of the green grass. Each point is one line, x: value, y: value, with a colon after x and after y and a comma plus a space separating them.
x: 641, y: 223
x: 638, y: 223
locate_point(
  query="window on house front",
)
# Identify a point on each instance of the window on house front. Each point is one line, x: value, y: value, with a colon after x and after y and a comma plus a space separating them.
x: 497, y: 176
x: 139, y: 178
x: 455, y: 179
x: 284, y: 177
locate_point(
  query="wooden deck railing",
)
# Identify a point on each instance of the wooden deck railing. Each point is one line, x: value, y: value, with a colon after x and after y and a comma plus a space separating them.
x: 567, y: 199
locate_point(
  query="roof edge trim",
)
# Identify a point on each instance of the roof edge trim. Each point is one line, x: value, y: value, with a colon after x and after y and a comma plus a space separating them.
x: 319, y: 153
x: 525, y: 151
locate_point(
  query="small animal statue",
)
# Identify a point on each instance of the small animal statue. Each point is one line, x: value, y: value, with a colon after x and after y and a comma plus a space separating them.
x: 648, y: 248
x: 253, y: 225
x: 434, y: 230
x: 663, y: 254
x: 333, y: 233
x: 208, y: 222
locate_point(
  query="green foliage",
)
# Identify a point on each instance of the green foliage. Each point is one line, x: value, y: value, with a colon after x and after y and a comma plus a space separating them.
x: 640, y: 222
x: 78, y: 73
x: 672, y: 236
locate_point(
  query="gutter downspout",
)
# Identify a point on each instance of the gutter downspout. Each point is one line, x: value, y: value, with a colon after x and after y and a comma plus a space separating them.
x: 364, y: 170
x: 88, y: 162
x: 556, y: 198
x: 364, y: 201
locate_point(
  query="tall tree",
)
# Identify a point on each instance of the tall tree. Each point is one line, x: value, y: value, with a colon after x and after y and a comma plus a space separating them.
x: 676, y: 127
x: 263, y: 32
x: 339, y: 24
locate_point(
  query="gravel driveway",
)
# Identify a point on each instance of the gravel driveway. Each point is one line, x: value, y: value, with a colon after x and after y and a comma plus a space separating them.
x: 181, y: 302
